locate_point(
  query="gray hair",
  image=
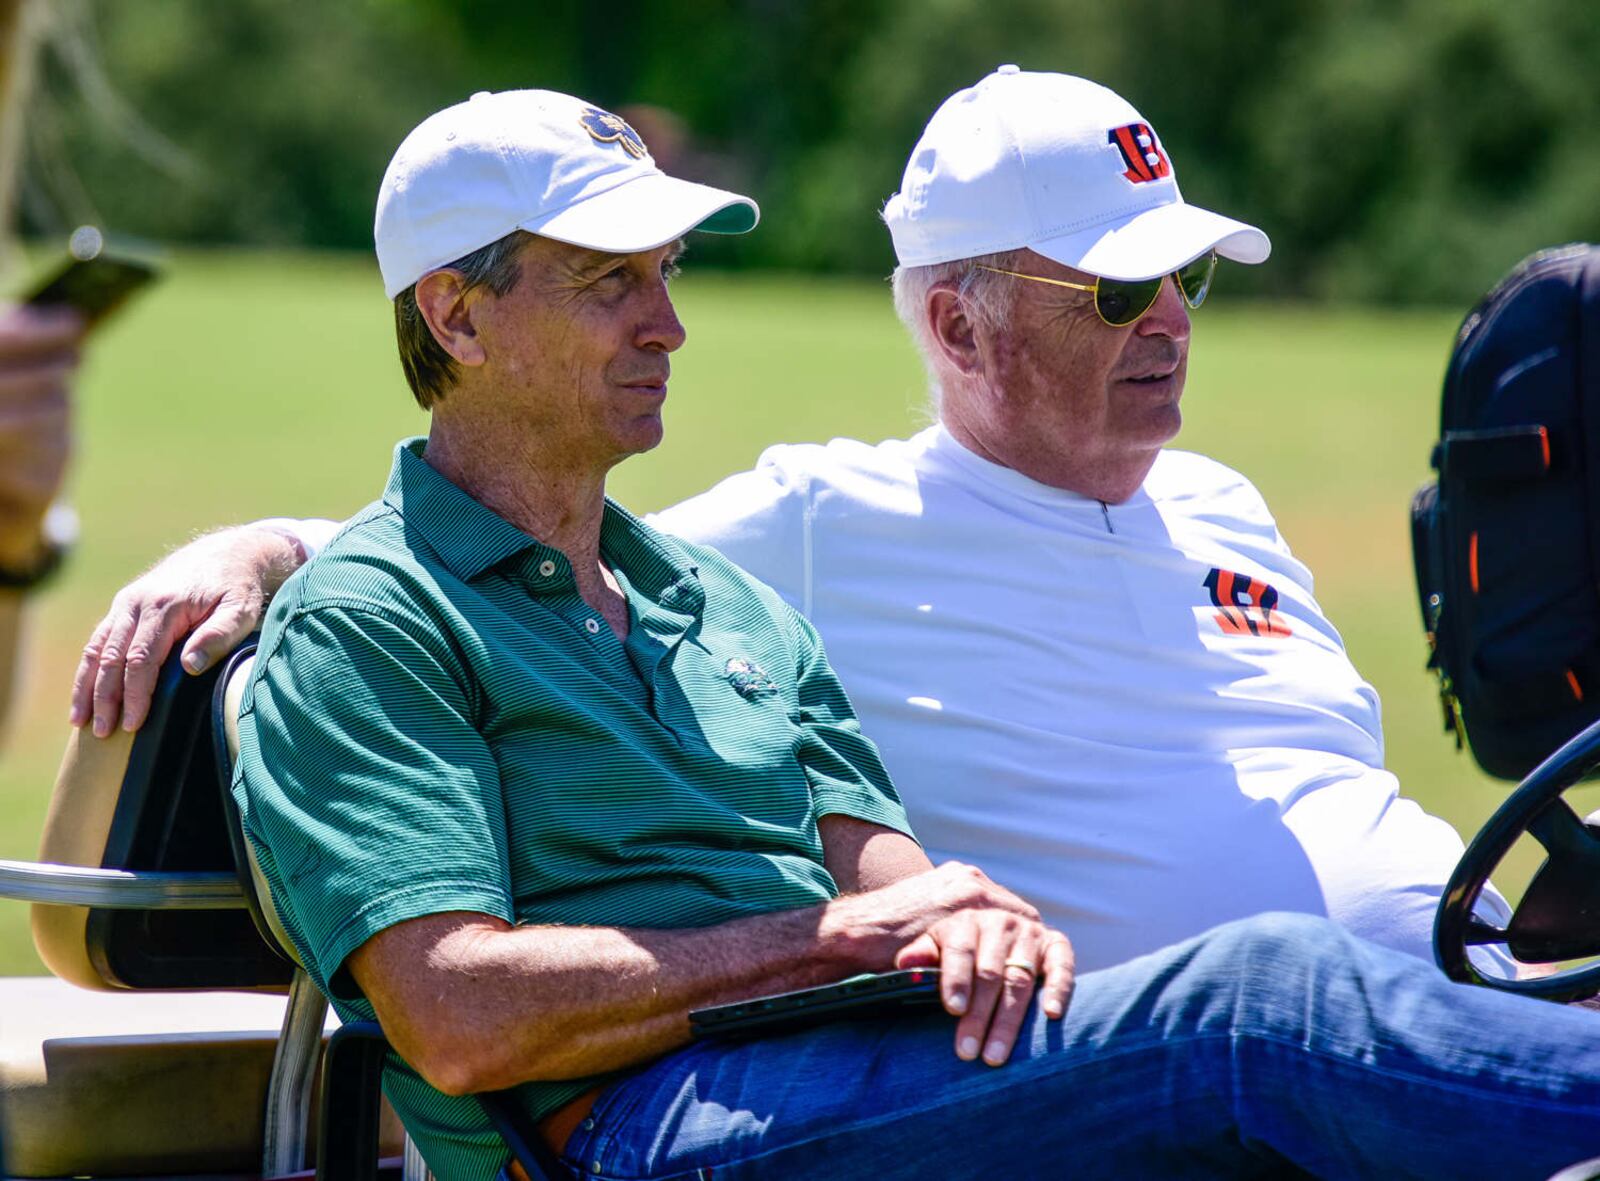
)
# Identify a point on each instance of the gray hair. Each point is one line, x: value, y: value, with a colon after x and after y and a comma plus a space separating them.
x: 986, y: 296
x: 430, y: 371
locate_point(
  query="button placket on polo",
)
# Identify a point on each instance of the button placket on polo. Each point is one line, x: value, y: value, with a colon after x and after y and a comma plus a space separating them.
x: 544, y: 571
x: 588, y: 624
x: 550, y: 578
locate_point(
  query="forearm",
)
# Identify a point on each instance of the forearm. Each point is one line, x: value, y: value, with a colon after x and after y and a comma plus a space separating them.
x: 773, y: 952
x: 498, y: 1005
x: 476, y: 1004
x: 279, y: 551
x: 616, y: 998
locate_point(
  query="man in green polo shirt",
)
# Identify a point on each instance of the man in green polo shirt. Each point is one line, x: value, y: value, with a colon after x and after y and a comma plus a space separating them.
x: 530, y: 781
x: 465, y: 742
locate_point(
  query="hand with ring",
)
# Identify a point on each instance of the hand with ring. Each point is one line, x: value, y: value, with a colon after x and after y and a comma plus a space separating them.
x: 990, y: 963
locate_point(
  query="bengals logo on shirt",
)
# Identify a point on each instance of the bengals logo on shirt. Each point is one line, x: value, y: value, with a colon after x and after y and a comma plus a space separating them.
x: 1247, y: 605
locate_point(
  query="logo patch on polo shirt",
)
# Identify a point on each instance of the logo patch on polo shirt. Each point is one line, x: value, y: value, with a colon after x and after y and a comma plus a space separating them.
x: 748, y: 679
x: 1248, y: 605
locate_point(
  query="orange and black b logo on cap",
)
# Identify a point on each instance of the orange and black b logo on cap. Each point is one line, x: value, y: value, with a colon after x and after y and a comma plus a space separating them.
x: 1140, y: 152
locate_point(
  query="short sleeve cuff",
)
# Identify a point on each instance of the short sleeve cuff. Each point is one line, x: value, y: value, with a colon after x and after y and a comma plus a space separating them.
x: 831, y: 798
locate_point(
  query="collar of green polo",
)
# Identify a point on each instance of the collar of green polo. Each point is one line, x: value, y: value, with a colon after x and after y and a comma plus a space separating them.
x: 655, y: 563
x: 470, y: 537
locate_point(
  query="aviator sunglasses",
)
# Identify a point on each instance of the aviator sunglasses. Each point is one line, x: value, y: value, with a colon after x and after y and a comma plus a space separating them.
x: 1121, y: 302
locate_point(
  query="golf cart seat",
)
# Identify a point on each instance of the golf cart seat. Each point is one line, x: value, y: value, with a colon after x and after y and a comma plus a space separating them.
x: 184, y: 1058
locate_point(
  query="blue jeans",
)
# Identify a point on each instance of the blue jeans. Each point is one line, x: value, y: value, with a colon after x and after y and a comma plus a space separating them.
x: 1271, y: 1047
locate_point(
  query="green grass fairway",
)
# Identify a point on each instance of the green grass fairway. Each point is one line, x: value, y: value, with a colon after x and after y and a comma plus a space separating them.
x: 257, y: 385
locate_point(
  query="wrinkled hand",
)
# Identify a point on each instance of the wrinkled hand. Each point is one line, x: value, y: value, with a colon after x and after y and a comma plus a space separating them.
x: 990, y: 962
x: 216, y: 587
x: 38, y: 356
x: 990, y: 947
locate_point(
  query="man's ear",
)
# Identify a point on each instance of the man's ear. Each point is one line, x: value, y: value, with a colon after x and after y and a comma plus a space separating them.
x: 446, y: 305
x: 951, y: 330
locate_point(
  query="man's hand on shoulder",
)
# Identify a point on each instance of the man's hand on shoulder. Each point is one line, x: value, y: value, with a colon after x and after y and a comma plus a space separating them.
x: 990, y: 946
x: 214, y: 590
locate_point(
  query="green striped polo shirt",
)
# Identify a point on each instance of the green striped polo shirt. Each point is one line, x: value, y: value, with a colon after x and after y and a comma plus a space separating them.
x: 438, y: 722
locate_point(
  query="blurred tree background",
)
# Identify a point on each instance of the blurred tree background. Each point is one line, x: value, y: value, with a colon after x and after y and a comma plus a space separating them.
x: 1395, y: 150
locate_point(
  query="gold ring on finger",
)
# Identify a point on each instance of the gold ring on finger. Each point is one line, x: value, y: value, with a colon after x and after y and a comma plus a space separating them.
x: 1025, y: 965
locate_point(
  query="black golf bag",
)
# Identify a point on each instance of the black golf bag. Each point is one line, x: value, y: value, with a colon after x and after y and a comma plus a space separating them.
x: 1507, y: 538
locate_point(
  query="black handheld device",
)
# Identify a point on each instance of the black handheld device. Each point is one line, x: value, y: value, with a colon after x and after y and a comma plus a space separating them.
x: 877, y: 994
x: 95, y: 280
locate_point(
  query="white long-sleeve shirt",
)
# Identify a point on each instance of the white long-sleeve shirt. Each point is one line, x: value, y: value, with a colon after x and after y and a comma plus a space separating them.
x: 1134, y: 715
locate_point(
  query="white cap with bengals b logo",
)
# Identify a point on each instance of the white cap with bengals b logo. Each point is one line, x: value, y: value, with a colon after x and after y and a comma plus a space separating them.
x: 540, y: 161
x: 1062, y: 166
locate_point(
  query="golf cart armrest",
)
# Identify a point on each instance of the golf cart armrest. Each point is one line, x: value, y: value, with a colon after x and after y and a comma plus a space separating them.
x: 118, y: 889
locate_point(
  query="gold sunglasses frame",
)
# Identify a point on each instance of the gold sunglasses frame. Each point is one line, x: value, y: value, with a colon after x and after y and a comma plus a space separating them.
x: 1094, y: 288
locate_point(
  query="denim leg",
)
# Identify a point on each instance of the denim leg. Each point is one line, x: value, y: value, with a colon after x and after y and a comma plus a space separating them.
x: 1268, y: 1047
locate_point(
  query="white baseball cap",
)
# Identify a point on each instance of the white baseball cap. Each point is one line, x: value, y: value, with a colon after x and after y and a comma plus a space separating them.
x: 539, y: 161
x: 1062, y: 166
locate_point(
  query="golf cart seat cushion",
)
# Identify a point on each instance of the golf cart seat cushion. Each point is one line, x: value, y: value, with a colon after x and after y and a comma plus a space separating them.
x: 81, y: 811
x: 150, y: 801
x: 123, y: 1083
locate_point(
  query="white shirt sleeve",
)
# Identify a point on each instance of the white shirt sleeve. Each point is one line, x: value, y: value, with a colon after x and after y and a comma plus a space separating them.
x: 312, y: 534
x: 759, y: 520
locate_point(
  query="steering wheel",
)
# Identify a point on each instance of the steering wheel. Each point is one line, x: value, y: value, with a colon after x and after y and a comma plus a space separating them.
x: 1559, y: 916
